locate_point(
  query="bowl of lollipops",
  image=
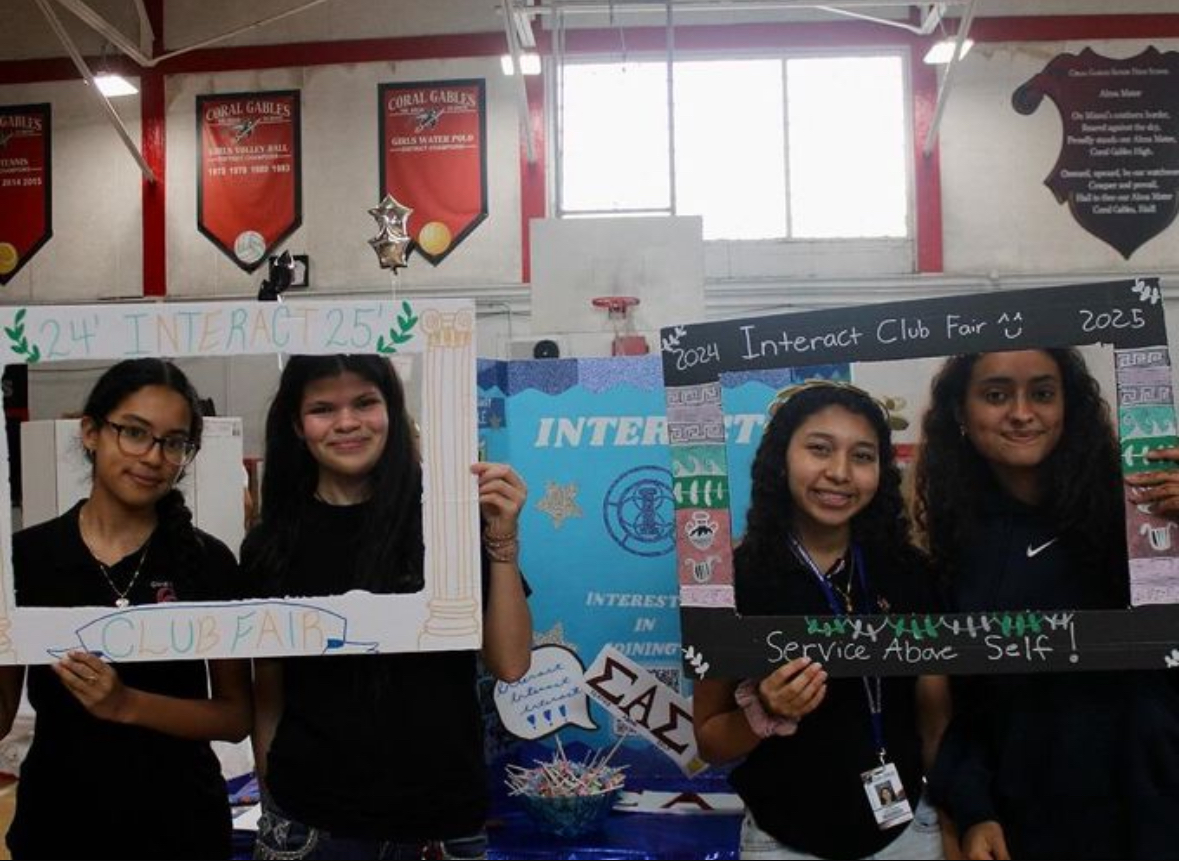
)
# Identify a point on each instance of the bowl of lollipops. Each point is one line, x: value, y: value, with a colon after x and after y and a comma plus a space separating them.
x: 567, y: 797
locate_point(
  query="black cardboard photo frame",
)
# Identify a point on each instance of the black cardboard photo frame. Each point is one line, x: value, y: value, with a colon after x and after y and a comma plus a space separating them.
x: 1126, y: 315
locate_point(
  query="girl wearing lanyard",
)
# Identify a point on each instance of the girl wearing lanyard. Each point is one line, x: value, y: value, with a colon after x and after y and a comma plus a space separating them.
x: 833, y: 768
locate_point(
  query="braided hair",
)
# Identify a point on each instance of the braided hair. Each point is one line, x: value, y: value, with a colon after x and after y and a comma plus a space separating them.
x: 174, y: 519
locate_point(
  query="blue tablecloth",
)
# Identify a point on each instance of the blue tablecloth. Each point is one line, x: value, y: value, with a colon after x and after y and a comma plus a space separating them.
x: 625, y: 835
x: 512, y: 834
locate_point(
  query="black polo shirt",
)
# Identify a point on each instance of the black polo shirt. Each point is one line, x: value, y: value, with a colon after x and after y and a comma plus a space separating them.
x: 805, y: 789
x: 95, y: 789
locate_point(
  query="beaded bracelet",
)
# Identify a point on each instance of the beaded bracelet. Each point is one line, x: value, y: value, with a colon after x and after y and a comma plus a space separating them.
x: 509, y: 552
x: 490, y: 537
x: 502, y: 548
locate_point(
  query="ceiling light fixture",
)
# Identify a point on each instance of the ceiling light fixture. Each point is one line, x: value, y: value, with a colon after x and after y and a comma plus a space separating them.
x: 529, y: 64
x: 112, y: 86
x: 942, y: 52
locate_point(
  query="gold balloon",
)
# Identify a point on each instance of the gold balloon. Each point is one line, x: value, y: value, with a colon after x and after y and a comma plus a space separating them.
x: 8, y: 257
x: 434, y: 238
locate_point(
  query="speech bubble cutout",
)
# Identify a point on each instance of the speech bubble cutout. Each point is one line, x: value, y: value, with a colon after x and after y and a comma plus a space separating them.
x: 547, y: 698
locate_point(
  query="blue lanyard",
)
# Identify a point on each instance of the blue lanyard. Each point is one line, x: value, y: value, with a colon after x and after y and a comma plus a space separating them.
x: 872, y: 690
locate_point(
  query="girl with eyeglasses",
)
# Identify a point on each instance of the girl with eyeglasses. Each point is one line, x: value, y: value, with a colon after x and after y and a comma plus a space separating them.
x: 120, y: 765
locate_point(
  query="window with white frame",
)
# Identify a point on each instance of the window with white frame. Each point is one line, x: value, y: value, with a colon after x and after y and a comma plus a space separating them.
x: 811, y: 147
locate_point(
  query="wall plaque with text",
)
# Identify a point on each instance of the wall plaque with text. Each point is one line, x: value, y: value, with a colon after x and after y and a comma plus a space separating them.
x: 1118, y: 168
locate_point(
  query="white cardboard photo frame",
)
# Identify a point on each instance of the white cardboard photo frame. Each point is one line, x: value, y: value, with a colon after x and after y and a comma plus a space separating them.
x: 445, y: 615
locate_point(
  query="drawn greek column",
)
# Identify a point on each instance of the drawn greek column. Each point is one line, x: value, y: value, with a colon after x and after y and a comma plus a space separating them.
x: 450, y: 524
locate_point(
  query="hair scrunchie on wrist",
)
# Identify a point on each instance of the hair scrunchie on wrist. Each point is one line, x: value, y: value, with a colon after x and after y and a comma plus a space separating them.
x: 761, y: 721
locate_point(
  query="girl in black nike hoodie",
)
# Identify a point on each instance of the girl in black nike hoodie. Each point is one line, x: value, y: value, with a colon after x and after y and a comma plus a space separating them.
x: 1020, y: 496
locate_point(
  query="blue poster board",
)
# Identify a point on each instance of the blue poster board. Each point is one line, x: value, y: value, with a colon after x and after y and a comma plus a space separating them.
x: 598, y: 533
x: 589, y: 438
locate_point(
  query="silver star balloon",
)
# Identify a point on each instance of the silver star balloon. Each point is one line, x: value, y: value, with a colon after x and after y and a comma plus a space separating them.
x: 390, y: 212
x: 391, y: 249
x: 392, y: 241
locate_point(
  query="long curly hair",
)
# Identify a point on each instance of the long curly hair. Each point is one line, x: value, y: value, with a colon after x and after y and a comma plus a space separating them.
x: 390, y: 557
x: 173, y: 517
x: 881, y: 527
x: 1079, y: 478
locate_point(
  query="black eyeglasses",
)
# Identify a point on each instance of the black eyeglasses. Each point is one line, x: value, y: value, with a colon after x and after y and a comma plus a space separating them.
x: 135, y: 441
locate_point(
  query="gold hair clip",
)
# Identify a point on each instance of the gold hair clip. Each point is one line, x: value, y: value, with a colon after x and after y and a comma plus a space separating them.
x: 895, y: 422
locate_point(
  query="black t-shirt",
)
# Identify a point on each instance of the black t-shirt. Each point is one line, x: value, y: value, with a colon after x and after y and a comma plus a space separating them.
x: 381, y: 746
x: 1074, y: 765
x: 96, y: 789
x: 805, y: 789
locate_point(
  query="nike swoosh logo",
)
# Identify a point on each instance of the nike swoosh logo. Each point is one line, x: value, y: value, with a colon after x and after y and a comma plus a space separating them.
x: 1036, y: 551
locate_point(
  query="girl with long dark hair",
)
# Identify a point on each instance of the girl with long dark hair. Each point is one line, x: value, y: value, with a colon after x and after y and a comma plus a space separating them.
x: 120, y: 765
x: 373, y: 756
x: 1020, y: 496
x: 832, y: 767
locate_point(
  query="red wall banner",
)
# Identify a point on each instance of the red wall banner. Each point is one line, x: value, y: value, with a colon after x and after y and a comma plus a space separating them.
x: 434, y: 159
x: 249, y: 174
x: 26, y: 199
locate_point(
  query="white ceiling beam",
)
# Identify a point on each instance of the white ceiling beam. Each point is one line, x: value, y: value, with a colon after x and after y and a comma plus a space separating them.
x: 943, y: 91
x: 105, y: 29
x: 522, y: 20
x: 518, y: 80
x: 860, y: 16
x: 549, y: 7
x: 931, y: 17
x: 237, y: 31
x: 147, y: 33
x: 88, y: 77
x: 143, y: 57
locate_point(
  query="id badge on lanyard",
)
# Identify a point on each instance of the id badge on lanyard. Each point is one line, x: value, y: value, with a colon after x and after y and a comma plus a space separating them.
x: 883, y: 786
x: 886, y: 796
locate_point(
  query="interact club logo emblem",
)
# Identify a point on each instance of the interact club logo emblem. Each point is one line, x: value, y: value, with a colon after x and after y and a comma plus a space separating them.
x: 639, y: 511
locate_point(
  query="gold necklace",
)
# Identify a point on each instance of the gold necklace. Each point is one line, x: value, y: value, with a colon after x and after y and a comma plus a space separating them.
x: 845, y: 592
x: 121, y: 599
